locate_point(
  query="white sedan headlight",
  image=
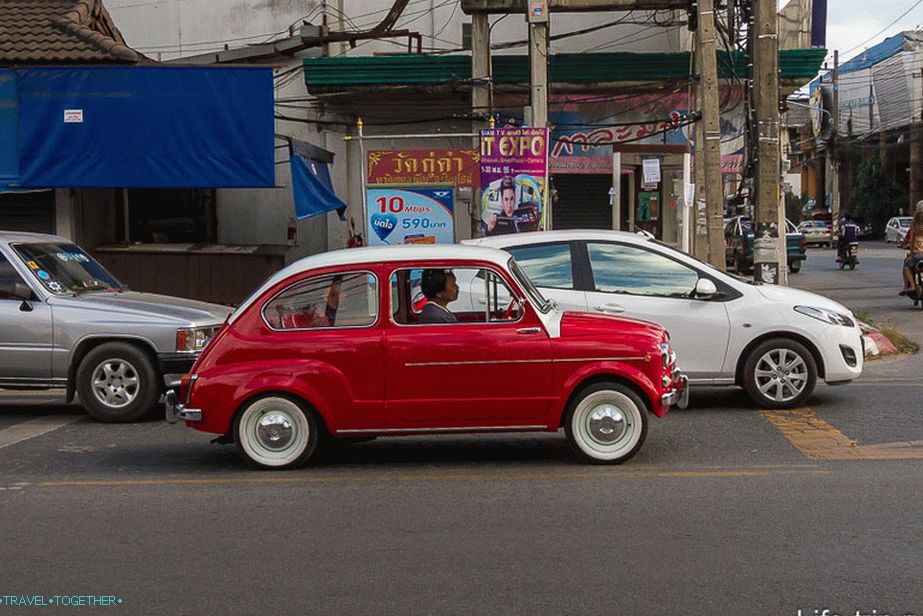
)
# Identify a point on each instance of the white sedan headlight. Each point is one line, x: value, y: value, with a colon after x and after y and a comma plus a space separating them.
x: 825, y: 315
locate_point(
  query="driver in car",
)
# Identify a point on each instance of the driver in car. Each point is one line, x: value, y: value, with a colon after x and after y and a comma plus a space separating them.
x: 440, y: 289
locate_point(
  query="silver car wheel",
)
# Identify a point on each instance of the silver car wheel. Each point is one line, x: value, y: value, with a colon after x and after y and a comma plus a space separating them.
x: 116, y: 383
x: 274, y: 432
x: 781, y: 375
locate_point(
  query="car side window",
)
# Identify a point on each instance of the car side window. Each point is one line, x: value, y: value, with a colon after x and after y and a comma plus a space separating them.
x: 546, y: 265
x: 9, y: 280
x: 333, y: 300
x: 467, y: 295
x: 619, y: 268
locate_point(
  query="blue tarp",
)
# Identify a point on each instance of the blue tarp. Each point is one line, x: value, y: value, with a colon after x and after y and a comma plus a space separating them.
x: 311, y: 185
x: 145, y: 127
x: 9, y: 167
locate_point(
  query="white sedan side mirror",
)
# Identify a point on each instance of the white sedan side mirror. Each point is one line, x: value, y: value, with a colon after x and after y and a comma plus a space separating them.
x: 705, y: 288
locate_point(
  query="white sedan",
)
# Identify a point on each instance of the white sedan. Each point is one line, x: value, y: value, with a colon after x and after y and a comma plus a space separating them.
x: 816, y: 232
x: 774, y: 341
x: 896, y: 229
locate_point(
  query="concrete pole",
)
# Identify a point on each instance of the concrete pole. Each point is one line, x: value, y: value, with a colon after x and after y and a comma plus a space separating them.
x: 769, y: 236
x: 538, y: 72
x: 480, y: 63
x: 480, y: 97
x: 714, y: 187
x: 834, y: 163
x: 699, y: 217
x: 916, y: 155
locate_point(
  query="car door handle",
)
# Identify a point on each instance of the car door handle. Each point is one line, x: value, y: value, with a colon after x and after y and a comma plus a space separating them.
x: 529, y: 330
x: 610, y: 309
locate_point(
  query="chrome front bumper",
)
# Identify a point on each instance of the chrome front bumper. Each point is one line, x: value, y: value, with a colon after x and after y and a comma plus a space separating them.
x: 679, y: 395
x: 176, y: 411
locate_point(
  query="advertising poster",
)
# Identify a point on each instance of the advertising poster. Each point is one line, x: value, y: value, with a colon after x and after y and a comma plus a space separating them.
x: 410, y: 215
x: 514, y: 180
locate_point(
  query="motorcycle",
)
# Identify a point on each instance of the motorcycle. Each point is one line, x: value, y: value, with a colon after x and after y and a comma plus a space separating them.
x: 917, y: 296
x: 849, y: 256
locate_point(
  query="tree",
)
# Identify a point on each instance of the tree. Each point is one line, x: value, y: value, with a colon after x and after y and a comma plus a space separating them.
x: 877, y: 198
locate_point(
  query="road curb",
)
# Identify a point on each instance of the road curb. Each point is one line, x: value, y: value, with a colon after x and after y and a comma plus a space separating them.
x: 876, y: 345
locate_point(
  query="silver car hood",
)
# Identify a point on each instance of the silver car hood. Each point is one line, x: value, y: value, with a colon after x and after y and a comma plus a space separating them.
x: 134, y: 303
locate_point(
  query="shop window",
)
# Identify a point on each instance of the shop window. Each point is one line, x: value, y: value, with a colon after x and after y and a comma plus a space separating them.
x: 171, y: 216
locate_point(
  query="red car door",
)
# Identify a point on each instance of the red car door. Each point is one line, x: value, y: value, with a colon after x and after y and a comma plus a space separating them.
x: 469, y: 374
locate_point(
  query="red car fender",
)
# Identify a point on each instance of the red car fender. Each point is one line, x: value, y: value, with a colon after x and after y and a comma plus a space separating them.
x: 220, y: 392
x: 621, y: 371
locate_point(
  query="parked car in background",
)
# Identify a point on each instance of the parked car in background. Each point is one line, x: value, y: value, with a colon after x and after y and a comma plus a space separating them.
x: 333, y: 347
x: 897, y: 228
x: 864, y: 230
x: 774, y: 341
x: 816, y: 232
x: 738, y: 244
x: 66, y: 322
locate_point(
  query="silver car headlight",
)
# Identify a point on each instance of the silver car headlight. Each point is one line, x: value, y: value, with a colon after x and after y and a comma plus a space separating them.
x: 825, y: 315
x: 194, y: 339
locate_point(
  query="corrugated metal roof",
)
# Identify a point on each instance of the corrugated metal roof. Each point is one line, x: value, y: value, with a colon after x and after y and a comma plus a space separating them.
x: 874, y: 55
x: 794, y: 64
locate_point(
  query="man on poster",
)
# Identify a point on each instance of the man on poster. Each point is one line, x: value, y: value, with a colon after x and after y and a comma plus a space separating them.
x: 510, y: 218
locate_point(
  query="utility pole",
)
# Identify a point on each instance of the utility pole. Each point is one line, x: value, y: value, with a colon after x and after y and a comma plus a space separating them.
x: 916, y: 154
x: 834, y: 154
x: 769, y: 256
x: 708, y: 106
x: 537, y: 17
x: 480, y: 96
x: 699, y: 214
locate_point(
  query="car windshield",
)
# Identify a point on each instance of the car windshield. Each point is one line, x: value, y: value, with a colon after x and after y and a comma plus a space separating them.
x: 65, y: 268
x: 543, y: 304
x: 905, y: 222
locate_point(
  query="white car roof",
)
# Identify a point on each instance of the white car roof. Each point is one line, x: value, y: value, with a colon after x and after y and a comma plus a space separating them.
x: 372, y: 255
x: 542, y: 237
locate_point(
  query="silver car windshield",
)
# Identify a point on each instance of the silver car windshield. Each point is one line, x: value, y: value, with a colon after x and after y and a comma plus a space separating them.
x: 65, y: 268
x: 541, y: 303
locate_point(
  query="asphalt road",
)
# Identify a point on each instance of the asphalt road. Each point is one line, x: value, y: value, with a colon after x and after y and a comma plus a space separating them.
x: 726, y: 510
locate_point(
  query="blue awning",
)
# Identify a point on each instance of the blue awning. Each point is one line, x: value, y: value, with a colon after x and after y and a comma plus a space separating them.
x: 311, y: 184
x: 139, y: 127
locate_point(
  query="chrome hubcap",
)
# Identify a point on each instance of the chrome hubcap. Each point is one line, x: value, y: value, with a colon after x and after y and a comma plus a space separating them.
x: 274, y: 430
x: 116, y: 383
x: 781, y: 375
x: 607, y: 423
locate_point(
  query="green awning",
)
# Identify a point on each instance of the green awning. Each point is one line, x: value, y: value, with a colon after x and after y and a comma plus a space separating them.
x: 796, y: 65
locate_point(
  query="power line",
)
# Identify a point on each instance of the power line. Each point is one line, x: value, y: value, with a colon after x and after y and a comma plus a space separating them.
x: 880, y: 32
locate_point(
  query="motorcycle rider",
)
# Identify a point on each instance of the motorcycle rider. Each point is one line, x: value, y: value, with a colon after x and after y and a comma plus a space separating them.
x: 849, y: 234
x: 913, y: 241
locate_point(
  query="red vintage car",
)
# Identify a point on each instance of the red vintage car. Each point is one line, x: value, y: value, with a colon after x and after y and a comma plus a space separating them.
x: 337, y: 346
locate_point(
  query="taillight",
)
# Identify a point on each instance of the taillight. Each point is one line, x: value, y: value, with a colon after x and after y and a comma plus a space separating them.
x: 185, y: 387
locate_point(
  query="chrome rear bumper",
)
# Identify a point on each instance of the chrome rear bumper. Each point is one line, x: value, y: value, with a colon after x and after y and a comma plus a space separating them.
x: 176, y: 411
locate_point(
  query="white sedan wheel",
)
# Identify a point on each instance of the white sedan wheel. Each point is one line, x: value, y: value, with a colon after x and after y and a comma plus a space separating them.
x: 606, y: 424
x: 275, y: 432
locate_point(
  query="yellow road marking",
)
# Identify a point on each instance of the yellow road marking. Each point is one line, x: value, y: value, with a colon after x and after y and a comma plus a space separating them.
x: 678, y: 474
x: 818, y: 440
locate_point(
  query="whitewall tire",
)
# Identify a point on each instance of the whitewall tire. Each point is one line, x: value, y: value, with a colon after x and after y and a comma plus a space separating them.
x: 606, y: 423
x: 276, y: 432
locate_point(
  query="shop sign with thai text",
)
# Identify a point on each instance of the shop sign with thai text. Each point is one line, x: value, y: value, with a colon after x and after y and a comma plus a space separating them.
x: 456, y: 167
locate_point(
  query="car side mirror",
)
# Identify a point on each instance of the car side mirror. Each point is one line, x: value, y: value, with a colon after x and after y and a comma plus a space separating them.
x: 705, y: 289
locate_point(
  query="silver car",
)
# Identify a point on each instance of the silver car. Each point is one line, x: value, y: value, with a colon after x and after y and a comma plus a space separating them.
x: 896, y: 229
x: 66, y: 322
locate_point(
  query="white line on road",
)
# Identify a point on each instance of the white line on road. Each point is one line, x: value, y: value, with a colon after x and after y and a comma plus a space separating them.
x: 35, y: 427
